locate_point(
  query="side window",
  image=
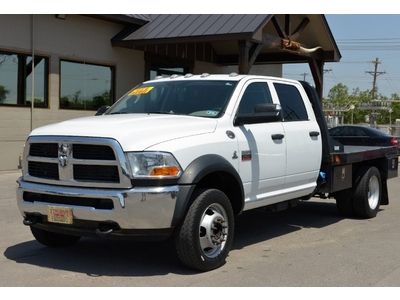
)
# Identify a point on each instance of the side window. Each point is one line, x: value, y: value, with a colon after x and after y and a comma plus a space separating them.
x: 334, y: 131
x: 255, y: 93
x: 358, y: 132
x: 293, y: 108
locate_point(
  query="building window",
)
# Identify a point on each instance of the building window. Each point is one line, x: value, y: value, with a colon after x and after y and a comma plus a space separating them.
x: 16, y: 79
x: 85, y: 86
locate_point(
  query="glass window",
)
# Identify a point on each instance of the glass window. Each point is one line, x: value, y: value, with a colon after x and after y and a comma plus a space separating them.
x: 16, y: 79
x: 85, y: 86
x: 40, y: 86
x: 337, y: 131
x: 293, y: 108
x: 8, y: 79
x: 354, y: 131
x: 255, y: 93
x: 199, y: 98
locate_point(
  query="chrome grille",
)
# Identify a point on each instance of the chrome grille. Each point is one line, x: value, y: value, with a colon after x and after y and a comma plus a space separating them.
x: 75, y: 161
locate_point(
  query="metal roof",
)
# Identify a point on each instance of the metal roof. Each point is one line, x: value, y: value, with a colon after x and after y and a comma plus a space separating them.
x: 166, y: 26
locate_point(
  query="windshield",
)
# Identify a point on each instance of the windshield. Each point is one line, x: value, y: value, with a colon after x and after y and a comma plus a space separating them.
x: 201, y: 98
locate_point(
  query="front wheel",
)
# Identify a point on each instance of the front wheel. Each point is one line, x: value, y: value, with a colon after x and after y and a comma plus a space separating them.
x: 206, y: 235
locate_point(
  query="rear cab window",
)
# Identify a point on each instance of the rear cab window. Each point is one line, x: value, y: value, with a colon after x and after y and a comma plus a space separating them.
x: 293, y: 108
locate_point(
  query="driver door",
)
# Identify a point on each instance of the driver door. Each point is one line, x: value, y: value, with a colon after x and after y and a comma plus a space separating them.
x: 262, y: 150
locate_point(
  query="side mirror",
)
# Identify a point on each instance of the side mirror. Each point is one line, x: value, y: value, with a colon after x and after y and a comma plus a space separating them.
x: 102, y: 110
x: 263, y: 113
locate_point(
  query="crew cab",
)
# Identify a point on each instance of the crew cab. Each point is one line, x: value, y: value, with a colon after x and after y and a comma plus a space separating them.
x: 182, y: 156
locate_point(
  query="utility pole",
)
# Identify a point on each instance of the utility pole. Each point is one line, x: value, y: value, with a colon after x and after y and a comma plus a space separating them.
x: 304, y: 75
x: 375, y: 74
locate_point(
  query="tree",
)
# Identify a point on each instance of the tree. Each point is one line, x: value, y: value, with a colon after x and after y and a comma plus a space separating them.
x: 338, y: 94
x: 3, y: 93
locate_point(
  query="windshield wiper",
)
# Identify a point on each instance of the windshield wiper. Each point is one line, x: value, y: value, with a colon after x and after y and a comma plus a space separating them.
x: 160, y: 112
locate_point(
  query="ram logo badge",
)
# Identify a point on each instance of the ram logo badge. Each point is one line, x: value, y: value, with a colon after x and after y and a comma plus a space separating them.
x: 64, y: 151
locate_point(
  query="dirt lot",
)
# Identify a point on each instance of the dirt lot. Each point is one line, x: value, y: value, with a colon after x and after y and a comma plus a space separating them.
x: 310, y: 245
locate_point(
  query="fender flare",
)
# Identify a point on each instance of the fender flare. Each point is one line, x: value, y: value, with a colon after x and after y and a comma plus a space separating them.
x: 194, y: 173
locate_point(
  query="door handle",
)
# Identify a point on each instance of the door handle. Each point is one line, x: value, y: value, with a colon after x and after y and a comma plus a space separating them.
x: 314, y: 133
x: 277, y: 136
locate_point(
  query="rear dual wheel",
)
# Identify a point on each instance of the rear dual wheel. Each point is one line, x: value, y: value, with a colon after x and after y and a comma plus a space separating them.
x: 365, y: 198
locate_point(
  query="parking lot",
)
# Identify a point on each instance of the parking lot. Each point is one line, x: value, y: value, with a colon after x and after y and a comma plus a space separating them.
x: 310, y: 245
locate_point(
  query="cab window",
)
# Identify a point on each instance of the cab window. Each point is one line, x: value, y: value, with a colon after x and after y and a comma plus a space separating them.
x: 293, y: 108
x: 255, y: 93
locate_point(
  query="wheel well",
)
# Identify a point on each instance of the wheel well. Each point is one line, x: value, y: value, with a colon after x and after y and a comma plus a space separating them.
x: 226, y: 183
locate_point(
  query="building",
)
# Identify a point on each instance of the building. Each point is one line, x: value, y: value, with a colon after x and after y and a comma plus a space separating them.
x: 72, y: 64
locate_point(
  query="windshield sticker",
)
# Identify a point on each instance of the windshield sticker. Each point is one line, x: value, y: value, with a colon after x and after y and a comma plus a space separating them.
x: 141, y: 91
x: 212, y: 112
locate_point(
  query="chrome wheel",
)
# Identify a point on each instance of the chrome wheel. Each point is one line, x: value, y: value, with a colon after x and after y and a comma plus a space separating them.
x: 373, y: 192
x: 213, y: 230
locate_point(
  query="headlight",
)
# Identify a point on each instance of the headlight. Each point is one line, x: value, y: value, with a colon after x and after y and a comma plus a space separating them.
x: 153, y: 165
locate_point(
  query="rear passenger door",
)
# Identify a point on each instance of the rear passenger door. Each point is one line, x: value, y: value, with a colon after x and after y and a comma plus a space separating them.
x: 303, y: 139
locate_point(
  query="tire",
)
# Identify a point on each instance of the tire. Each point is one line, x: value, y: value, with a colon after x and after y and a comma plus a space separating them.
x: 198, y: 247
x: 52, y: 239
x: 344, y: 203
x: 368, y: 193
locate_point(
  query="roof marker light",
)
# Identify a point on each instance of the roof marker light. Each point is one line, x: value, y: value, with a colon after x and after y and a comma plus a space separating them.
x: 188, y: 75
x: 159, y: 77
x: 233, y: 74
x: 204, y: 75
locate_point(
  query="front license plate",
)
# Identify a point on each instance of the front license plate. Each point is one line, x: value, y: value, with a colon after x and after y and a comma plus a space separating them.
x: 56, y: 214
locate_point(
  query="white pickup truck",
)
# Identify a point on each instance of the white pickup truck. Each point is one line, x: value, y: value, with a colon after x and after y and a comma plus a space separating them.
x: 182, y: 156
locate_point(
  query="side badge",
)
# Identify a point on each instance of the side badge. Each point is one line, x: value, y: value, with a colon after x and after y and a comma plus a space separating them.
x: 234, y: 156
x: 246, y: 155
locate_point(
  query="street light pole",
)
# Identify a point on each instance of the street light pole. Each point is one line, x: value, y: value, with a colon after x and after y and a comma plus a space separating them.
x: 352, y: 107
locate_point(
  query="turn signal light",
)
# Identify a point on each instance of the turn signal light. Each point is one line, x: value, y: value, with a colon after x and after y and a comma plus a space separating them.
x: 165, y: 171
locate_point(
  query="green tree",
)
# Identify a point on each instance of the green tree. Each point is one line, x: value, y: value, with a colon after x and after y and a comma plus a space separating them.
x: 338, y: 94
x: 3, y: 93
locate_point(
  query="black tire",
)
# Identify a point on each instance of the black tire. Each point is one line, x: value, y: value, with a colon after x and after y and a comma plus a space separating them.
x: 206, y: 206
x: 363, y: 204
x: 52, y: 239
x: 344, y: 203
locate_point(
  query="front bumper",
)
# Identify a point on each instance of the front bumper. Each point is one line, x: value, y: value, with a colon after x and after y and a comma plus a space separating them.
x: 134, y: 209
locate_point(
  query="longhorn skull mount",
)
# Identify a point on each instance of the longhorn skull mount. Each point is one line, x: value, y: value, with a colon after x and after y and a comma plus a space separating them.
x: 287, y: 44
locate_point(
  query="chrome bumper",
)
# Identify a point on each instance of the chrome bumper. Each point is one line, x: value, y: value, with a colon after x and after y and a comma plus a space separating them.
x: 136, y: 208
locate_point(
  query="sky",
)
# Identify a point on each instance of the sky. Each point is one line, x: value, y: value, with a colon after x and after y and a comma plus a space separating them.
x: 361, y: 39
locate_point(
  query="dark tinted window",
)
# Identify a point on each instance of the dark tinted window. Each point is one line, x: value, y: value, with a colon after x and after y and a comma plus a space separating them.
x: 16, y: 79
x: 255, y: 93
x: 85, y: 86
x: 354, y: 131
x: 336, y: 131
x: 293, y: 108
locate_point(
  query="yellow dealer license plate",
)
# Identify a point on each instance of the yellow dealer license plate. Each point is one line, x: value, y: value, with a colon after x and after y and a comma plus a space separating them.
x: 56, y: 214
